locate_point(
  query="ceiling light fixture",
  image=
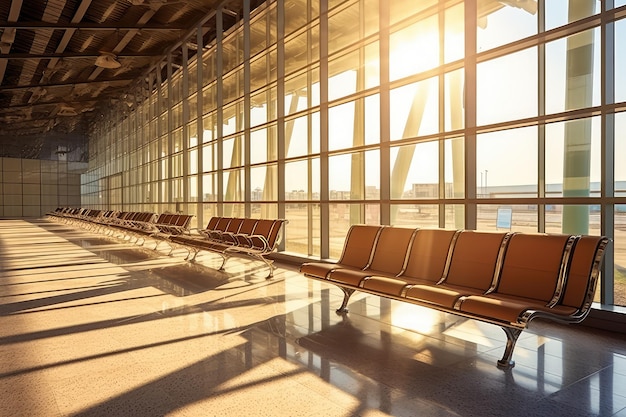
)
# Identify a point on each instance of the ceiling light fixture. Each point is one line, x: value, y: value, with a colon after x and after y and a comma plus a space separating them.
x: 107, y: 60
x: 66, y: 111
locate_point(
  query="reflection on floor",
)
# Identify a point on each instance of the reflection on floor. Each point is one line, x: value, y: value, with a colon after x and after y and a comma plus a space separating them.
x: 90, y: 326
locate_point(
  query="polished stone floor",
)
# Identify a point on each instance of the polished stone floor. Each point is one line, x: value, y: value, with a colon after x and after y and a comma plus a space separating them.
x: 91, y: 326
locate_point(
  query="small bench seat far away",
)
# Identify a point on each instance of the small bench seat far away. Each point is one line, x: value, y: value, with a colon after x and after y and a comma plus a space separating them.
x: 233, y: 236
x: 503, y: 278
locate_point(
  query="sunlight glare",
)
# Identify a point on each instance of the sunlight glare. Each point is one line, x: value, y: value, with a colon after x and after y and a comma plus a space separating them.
x: 469, y: 331
x: 414, y: 49
x: 415, y: 318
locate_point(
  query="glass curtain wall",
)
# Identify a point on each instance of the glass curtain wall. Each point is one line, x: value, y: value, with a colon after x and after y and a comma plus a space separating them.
x: 483, y: 114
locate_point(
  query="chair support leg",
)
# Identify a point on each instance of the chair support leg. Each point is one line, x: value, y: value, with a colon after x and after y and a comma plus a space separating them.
x: 347, y: 292
x: 511, y: 338
x: 224, y: 259
x: 193, y: 258
x: 268, y: 262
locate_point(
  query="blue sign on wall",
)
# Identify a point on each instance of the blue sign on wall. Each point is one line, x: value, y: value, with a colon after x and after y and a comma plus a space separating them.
x: 504, y: 218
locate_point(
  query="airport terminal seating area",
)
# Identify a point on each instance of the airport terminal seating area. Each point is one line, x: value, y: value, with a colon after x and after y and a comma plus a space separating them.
x: 224, y: 236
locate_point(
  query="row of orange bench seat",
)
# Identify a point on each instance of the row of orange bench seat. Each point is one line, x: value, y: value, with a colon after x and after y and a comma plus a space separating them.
x: 225, y: 236
x: 503, y: 278
x: 140, y: 225
x: 233, y: 236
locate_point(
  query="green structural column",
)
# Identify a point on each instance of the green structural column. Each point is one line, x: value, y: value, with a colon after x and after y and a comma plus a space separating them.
x: 458, y: 145
x: 357, y: 174
x: 577, y: 145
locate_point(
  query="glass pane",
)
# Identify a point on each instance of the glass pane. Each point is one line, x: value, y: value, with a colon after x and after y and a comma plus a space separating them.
x: 454, y: 216
x: 298, y: 139
x: 315, y: 87
x: 372, y: 65
x: 372, y: 175
x: 372, y: 214
x: 258, y: 34
x: 208, y: 163
x: 573, y: 158
x: 342, y: 216
x: 192, y: 187
x: 177, y: 189
x: 209, y: 187
x: 620, y: 155
x: 296, y: 93
x: 192, y: 134
x: 163, y: 187
x: 507, y: 88
x: 264, y: 211
x: 454, y: 168
x: 315, y: 132
x: 415, y: 215
x: 233, y: 86
x: 177, y: 165
x: 619, y: 247
x: 302, y: 235
x: 343, y: 75
x: 209, y: 128
x: 341, y: 121
x: 295, y: 14
x: 192, y: 209
x: 454, y: 42
x: 263, y: 181
x: 233, y: 185
x: 258, y: 146
x: 233, y: 119
x: 259, y: 111
x: 573, y: 72
x: 353, y: 72
x: 208, y: 211
x: 258, y: 73
x: 620, y: 60
x: 273, y: 70
x: 401, y: 9
x: 209, y: 99
x: 297, y: 136
x: 414, y: 109
x: 559, y: 219
x: 347, y: 176
x: 296, y: 49
x: 454, y: 100
x: 499, y: 24
x: 562, y: 12
x: 193, y: 108
x: 372, y: 119
x: 422, y: 36
x: 234, y: 210
x: 345, y: 28
x: 193, y: 161
x: 271, y: 104
x: 232, y: 152
x: 415, y: 171
x: 232, y: 51
x: 506, y: 163
x: 314, y: 43
x: 516, y: 218
x: 297, y: 180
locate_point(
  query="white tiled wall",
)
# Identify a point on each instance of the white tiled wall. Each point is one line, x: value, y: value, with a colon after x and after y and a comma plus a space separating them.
x: 32, y: 187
